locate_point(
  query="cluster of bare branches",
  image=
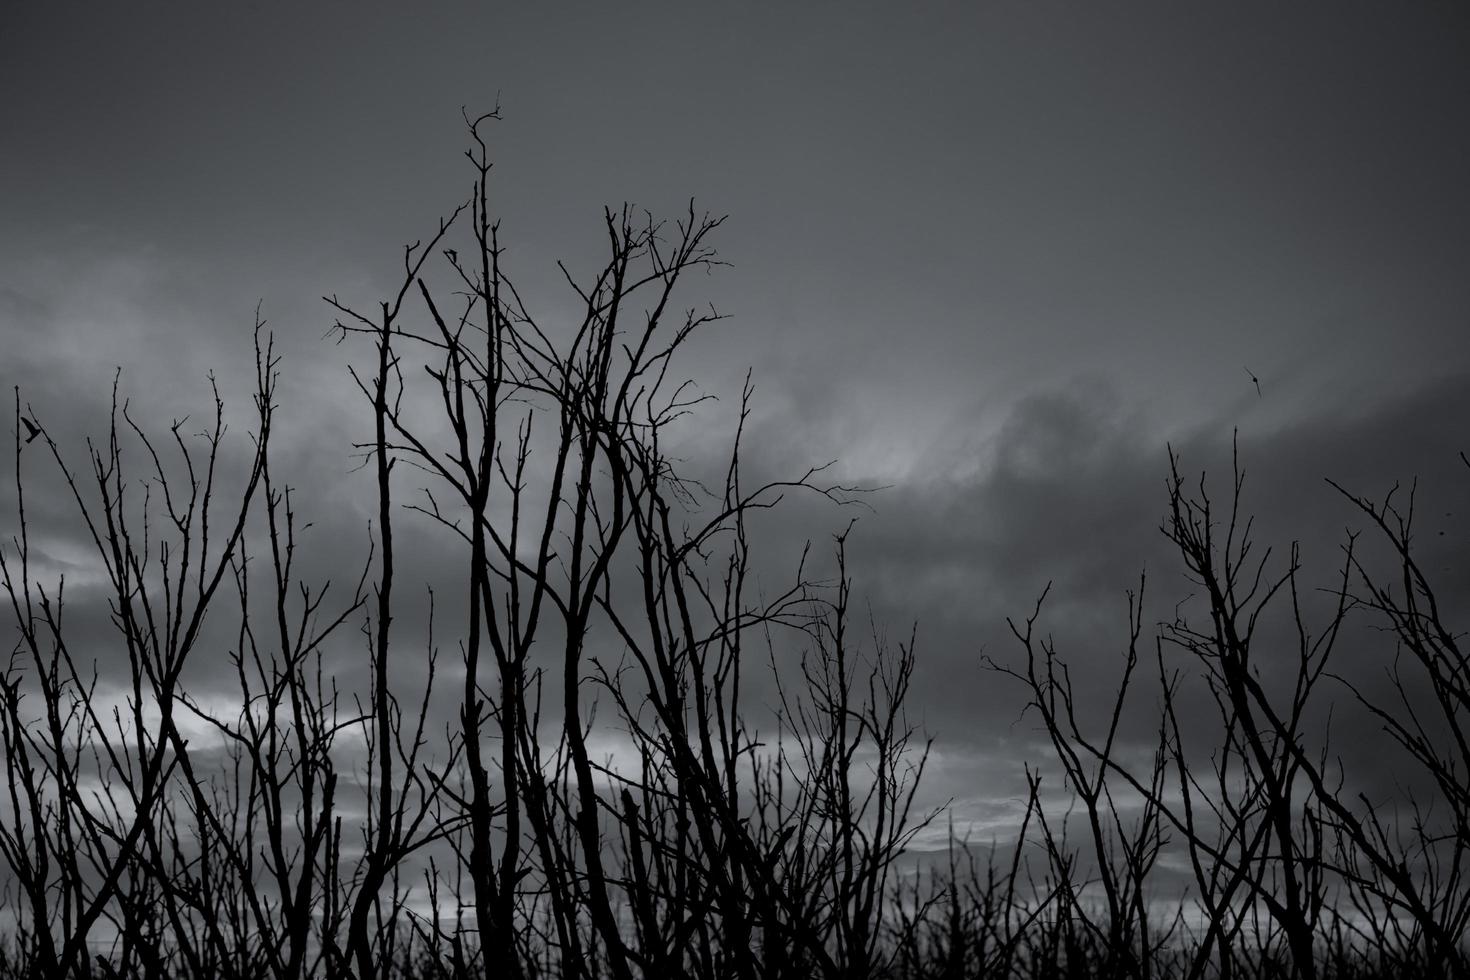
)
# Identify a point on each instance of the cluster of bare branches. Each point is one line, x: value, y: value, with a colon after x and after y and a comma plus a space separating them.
x: 318, y: 832
x: 752, y: 822
x: 211, y: 862
x: 1296, y: 870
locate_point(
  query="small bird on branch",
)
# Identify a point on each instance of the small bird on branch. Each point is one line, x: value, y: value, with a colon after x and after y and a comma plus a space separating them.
x: 31, y: 429
x: 1254, y: 380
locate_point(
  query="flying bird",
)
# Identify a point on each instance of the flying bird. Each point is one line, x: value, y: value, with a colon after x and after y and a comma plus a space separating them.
x: 1255, y: 381
x: 31, y: 430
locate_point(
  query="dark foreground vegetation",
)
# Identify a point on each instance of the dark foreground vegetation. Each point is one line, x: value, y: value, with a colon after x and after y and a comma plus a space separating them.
x: 317, y: 830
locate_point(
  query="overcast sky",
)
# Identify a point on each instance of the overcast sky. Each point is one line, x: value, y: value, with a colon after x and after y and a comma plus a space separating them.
x: 994, y: 256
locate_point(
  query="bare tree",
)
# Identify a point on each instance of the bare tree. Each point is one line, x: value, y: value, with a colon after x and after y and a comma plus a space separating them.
x: 762, y: 788
x: 1264, y: 813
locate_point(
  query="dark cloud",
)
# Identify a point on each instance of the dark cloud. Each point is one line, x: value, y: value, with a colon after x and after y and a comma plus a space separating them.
x: 1075, y: 498
x: 992, y: 258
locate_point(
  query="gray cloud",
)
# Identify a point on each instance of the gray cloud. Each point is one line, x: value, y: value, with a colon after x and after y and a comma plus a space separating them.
x: 940, y: 223
x: 1075, y: 499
